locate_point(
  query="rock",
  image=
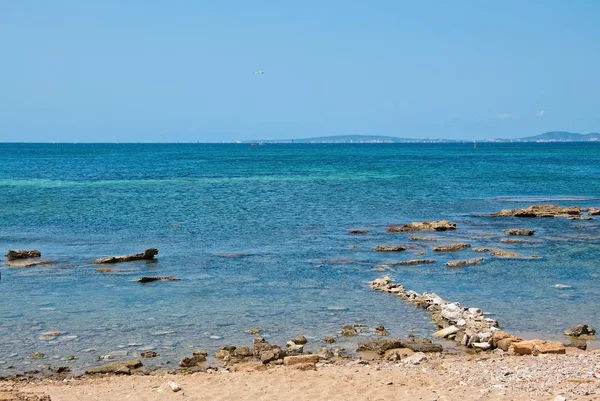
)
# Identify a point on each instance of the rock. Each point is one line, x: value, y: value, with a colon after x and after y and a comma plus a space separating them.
x: 294, y: 349
x: 358, y: 232
x: 271, y: 353
x: 415, y: 359
x: 255, y: 331
x: 422, y: 238
x: 390, y: 248
x: 593, y: 211
x: 241, y: 353
x: 225, y: 352
x: 300, y: 339
x: 579, y: 343
x: 499, y: 253
x: 579, y: 330
x: 517, y: 241
x: 61, y: 370
x: 149, y: 279
x: 36, y: 355
x: 560, y: 398
x: 441, y: 225
x: 484, y: 346
x: 197, y: 358
x: 297, y: 359
x: 49, y: 335
x: 505, y: 343
x: 381, y: 345
x: 380, y: 330
x: 148, y: 354
x: 397, y: 354
x: 349, y: 331
x: 518, y: 231
x: 452, y: 311
x: 541, y: 211
x: 443, y: 333
x: 330, y: 339
x: 119, y: 368
x: 463, y: 262
x: 27, y: 262
x: 104, y: 270
x: 14, y: 254
x: 451, y: 247
x: 413, y: 262
x: 481, y: 250
x: 535, y: 347
x: 174, y: 386
x: 148, y: 254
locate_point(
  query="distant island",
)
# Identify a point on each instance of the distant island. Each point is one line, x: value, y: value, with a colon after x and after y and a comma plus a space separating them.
x: 554, y: 136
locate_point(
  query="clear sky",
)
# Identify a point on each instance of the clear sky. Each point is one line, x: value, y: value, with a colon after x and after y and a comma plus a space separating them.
x: 150, y: 71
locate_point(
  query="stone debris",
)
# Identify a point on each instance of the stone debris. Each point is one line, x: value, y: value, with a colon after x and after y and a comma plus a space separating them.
x: 441, y: 225
x: 451, y: 247
x: 390, y: 248
x: 148, y: 254
x: 541, y: 211
x: 464, y: 262
x: 518, y: 231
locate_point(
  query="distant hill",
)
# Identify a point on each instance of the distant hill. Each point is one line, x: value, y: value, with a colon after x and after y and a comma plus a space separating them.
x: 561, y: 136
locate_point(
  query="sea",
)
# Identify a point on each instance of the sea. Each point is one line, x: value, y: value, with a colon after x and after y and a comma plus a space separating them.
x: 259, y: 238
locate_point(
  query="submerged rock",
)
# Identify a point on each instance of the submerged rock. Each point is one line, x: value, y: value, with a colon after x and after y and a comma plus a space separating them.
x: 464, y: 262
x: 358, y: 232
x: 380, y: 330
x: 541, y: 211
x: 27, y: 262
x: 118, y: 368
x: 413, y: 262
x: 518, y: 231
x: 349, y: 331
x: 14, y: 254
x: 499, y: 253
x: 254, y: 331
x: 481, y: 250
x: 422, y: 238
x: 441, y: 225
x: 451, y: 247
x: 148, y: 254
x: 149, y: 279
x: 390, y: 248
x: 579, y: 330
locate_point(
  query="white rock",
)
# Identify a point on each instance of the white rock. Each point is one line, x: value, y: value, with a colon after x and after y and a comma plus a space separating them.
x: 483, y: 346
x: 452, y: 312
x: 415, y: 359
x: 174, y: 386
x: 443, y: 333
x: 560, y: 398
x: 461, y: 322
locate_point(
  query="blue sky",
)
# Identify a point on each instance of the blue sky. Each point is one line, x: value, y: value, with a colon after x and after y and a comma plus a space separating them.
x: 150, y: 71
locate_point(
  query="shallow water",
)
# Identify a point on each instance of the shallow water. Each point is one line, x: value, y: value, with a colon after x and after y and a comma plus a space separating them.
x: 258, y: 236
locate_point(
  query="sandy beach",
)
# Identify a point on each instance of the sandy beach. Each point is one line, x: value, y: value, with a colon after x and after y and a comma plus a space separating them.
x: 442, y: 377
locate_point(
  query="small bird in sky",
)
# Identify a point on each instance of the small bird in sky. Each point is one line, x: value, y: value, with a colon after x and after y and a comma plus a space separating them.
x: 261, y: 72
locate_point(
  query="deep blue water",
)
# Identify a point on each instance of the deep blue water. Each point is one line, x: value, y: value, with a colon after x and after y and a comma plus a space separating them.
x: 286, y: 210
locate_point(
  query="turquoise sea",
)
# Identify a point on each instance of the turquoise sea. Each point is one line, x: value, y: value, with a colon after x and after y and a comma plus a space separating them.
x: 259, y: 237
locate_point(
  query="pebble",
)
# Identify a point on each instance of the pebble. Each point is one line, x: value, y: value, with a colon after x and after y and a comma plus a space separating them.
x: 560, y: 398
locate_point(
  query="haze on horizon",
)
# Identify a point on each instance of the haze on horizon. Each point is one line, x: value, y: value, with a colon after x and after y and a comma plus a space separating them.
x: 147, y: 72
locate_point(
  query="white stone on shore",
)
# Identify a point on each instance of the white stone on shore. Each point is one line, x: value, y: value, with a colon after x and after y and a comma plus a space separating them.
x: 174, y: 386
x: 415, y: 359
x: 443, y: 333
x: 560, y: 398
x: 483, y: 346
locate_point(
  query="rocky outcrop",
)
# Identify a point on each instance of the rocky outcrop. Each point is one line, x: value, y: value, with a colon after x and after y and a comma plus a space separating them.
x: 358, y: 232
x: 518, y: 231
x: 579, y: 330
x: 390, y: 248
x: 381, y: 345
x: 464, y: 262
x: 451, y: 247
x: 415, y: 238
x: 593, y: 211
x: 27, y: 262
x: 412, y: 262
x: 349, y: 331
x: 499, y: 253
x: 149, y: 279
x: 148, y: 254
x: 116, y: 368
x: 441, y: 225
x: 541, y: 211
x: 14, y: 254
x: 198, y: 358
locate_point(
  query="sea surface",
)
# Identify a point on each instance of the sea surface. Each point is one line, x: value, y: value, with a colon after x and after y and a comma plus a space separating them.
x: 259, y: 237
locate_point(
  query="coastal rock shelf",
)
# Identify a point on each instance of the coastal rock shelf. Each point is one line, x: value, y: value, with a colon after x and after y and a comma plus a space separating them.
x: 547, y: 211
x: 148, y: 254
x: 467, y: 326
x: 441, y: 225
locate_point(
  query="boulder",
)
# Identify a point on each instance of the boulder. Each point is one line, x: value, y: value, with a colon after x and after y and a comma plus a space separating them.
x: 390, y: 248
x: 271, y: 353
x: 148, y: 254
x: 349, y: 331
x: 541, y: 211
x: 380, y: 330
x: 579, y: 330
x: 14, y: 254
x: 451, y: 247
x: 397, y: 354
x: 297, y: 359
x: 330, y: 339
x: 300, y: 339
x: 149, y: 279
x: 117, y: 368
x: 593, y: 211
x: 441, y: 225
x: 463, y: 262
x: 518, y: 231
x: 225, y: 352
x: 536, y: 347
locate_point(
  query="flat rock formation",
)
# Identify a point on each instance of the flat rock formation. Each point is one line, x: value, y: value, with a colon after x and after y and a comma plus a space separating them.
x: 149, y: 279
x: 14, y: 254
x: 381, y: 345
x: 541, y: 211
x: 412, y: 262
x: 464, y: 262
x: 441, y: 225
x: 518, y: 231
x: 415, y: 238
x: 116, y: 368
x: 148, y: 254
x: 358, y: 232
x: 451, y: 247
x: 27, y: 262
x: 499, y: 253
x: 390, y: 248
